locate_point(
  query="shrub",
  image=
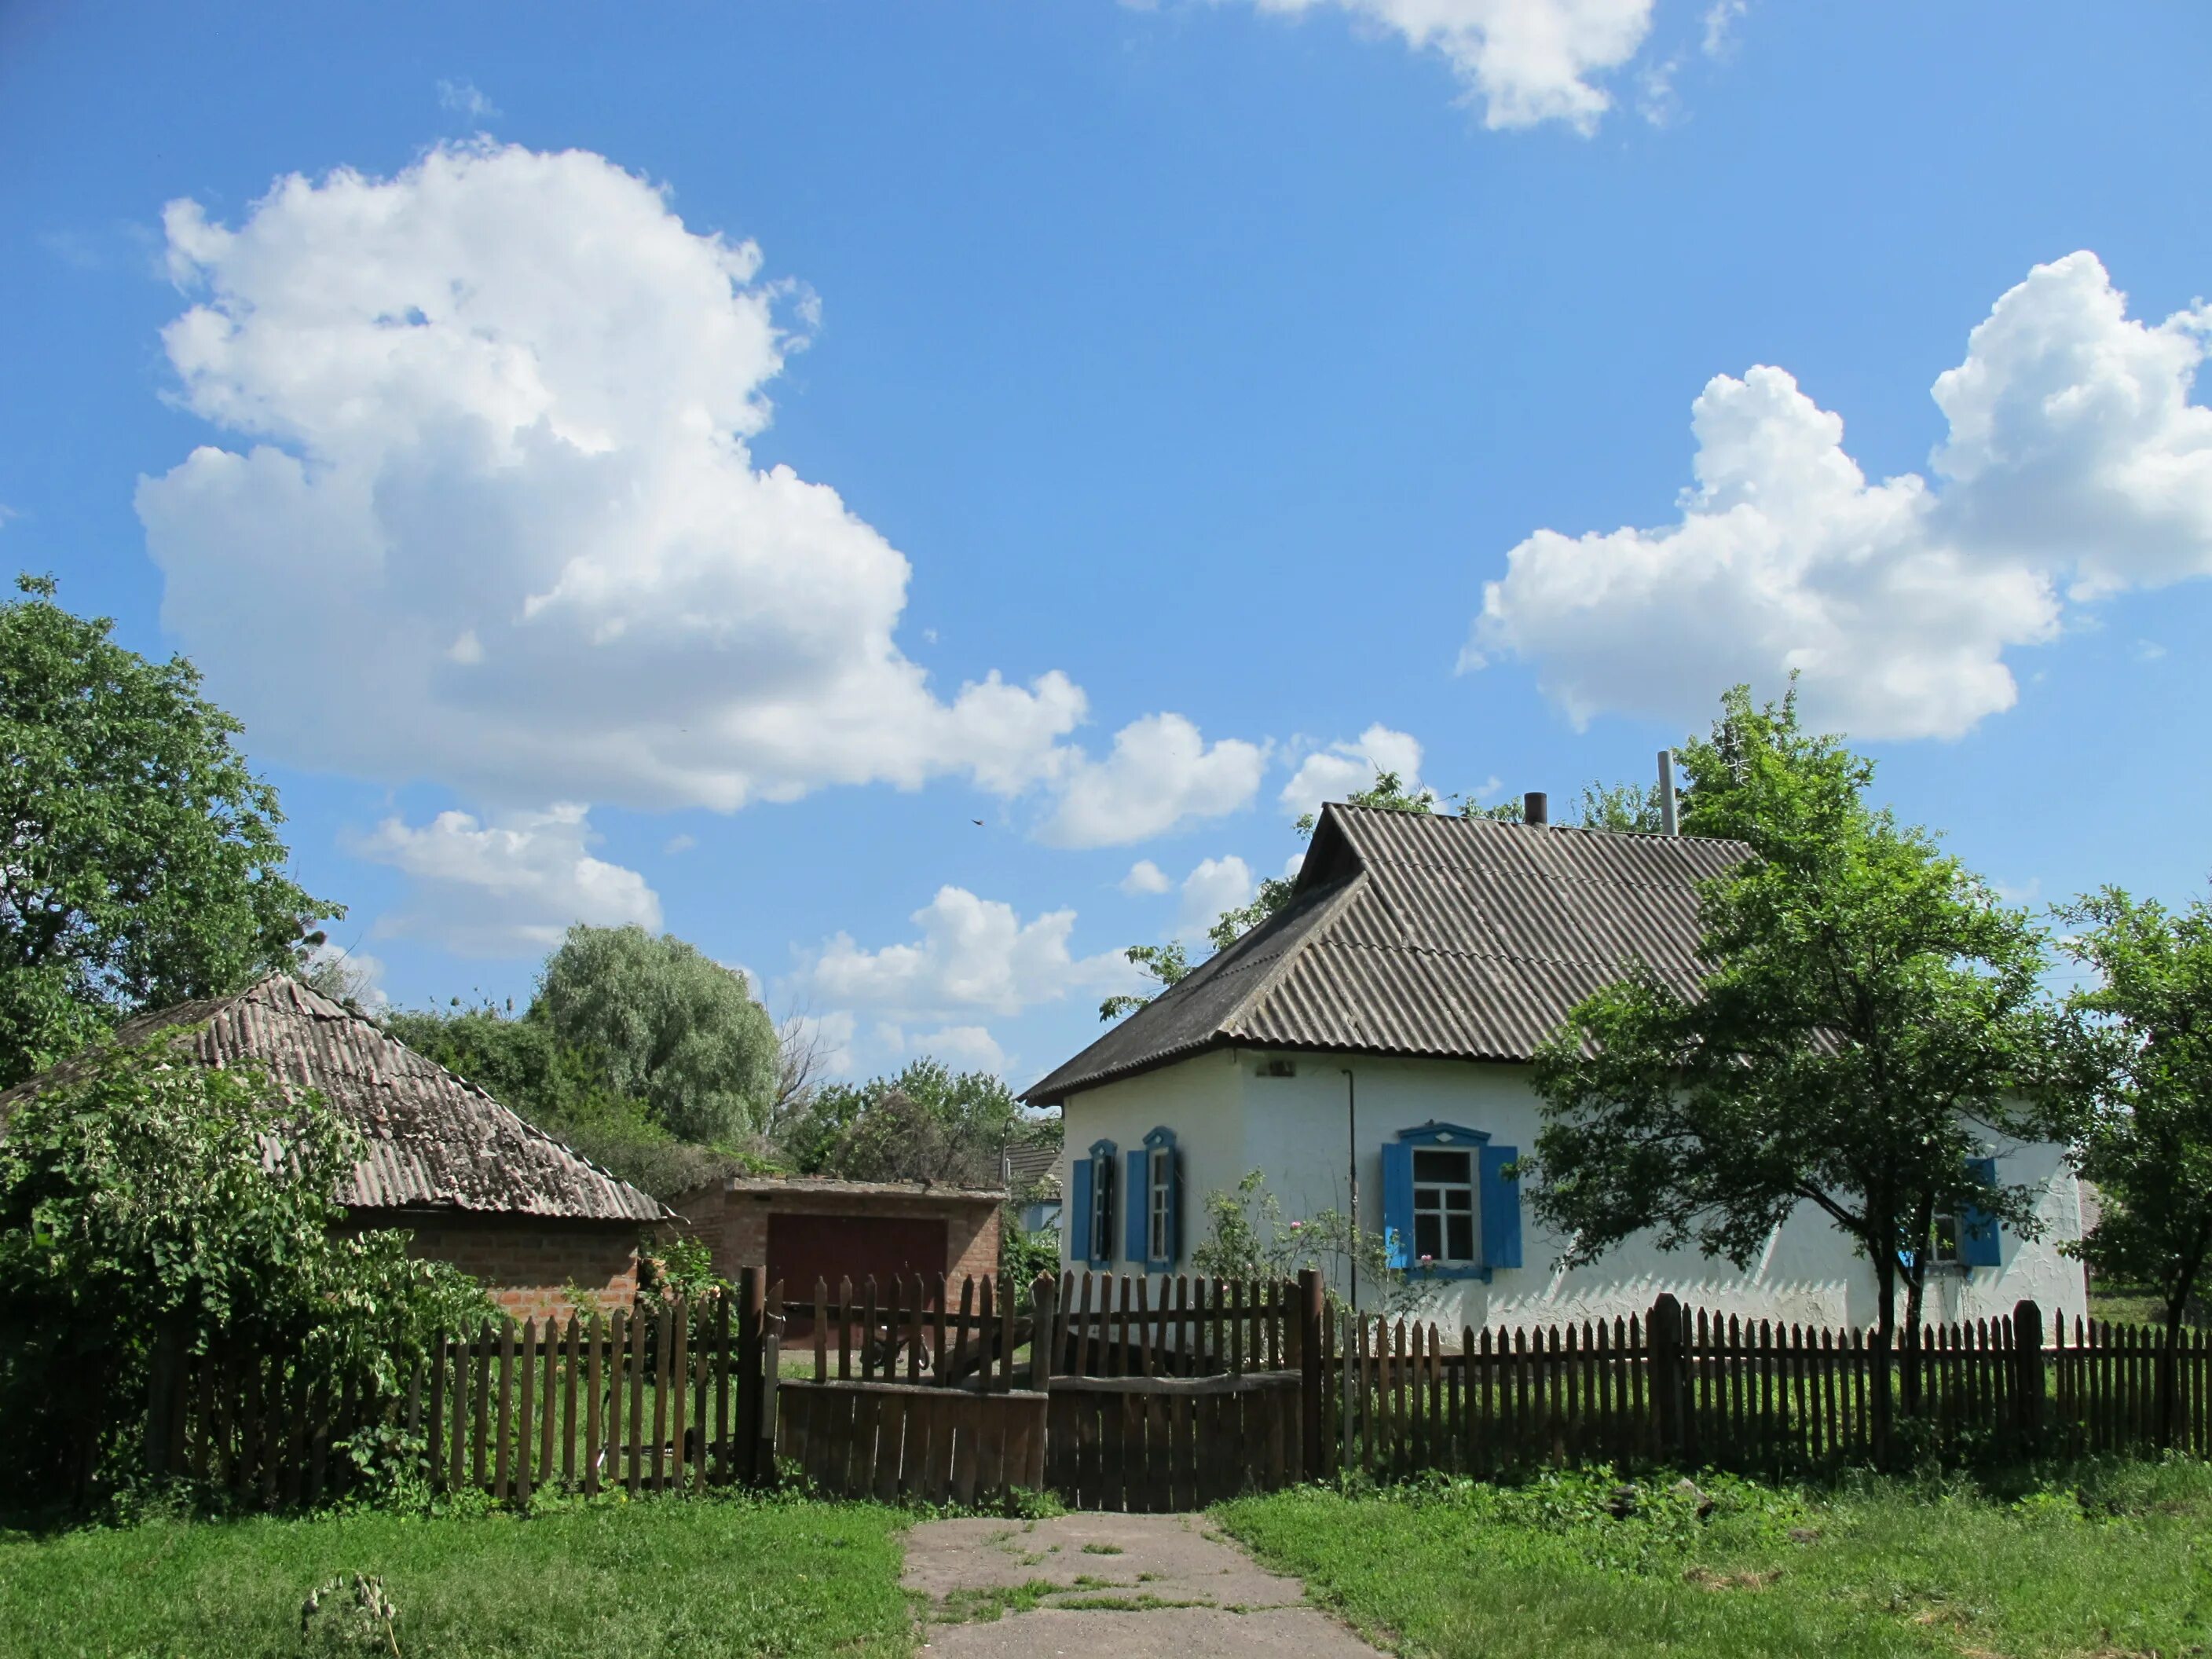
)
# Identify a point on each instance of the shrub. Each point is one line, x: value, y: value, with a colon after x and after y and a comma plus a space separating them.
x: 151, y: 1203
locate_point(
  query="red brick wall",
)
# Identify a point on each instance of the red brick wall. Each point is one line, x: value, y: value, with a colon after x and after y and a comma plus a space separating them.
x: 734, y: 1226
x: 528, y: 1265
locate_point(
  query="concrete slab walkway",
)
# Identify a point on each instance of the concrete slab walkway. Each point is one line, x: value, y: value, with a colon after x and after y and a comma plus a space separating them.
x: 1134, y: 1585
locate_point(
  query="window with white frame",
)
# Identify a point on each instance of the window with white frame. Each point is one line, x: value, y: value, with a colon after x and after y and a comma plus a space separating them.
x: 1443, y: 1205
x: 1159, y: 1205
x: 1943, y: 1248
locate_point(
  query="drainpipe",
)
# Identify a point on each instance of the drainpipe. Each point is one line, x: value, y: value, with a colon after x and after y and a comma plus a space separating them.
x: 1352, y: 1128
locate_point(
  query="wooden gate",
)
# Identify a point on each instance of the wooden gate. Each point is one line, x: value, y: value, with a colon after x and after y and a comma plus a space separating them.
x: 1113, y: 1394
x: 1157, y: 1444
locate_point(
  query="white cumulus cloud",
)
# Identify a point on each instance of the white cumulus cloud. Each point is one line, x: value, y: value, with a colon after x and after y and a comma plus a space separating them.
x: 506, y: 887
x: 2074, y: 465
x: 1214, y: 886
x: 1146, y: 877
x: 963, y: 1048
x: 1161, y: 773
x: 1345, y: 768
x: 1524, y: 61
x: 975, y: 955
x: 489, y: 469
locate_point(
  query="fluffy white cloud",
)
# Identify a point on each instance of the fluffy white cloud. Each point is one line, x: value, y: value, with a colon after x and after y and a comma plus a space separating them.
x: 1146, y: 877
x: 1160, y: 774
x: 1215, y: 885
x: 2075, y: 460
x: 507, y: 887
x: 1525, y: 61
x: 963, y: 1048
x: 1345, y: 768
x: 973, y: 955
x: 492, y: 480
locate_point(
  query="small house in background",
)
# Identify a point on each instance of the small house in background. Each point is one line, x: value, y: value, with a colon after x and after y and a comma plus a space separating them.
x: 1368, y: 1048
x: 1032, y: 1173
x: 473, y: 1184
x: 801, y: 1229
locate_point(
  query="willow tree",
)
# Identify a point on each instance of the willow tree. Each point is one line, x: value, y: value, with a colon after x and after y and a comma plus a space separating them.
x: 1868, y: 1026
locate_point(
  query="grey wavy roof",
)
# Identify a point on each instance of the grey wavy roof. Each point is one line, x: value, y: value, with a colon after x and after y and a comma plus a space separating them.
x: 435, y: 1140
x: 1417, y: 934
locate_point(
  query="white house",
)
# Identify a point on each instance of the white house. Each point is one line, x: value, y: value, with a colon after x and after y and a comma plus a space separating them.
x: 1378, y: 1030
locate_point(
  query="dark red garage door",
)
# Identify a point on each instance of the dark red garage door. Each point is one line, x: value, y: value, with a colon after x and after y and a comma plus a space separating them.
x: 802, y: 1248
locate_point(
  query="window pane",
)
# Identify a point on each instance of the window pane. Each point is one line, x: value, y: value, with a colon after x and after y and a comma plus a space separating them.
x: 1440, y: 1166
x: 1946, y: 1238
x: 1459, y: 1198
x: 1462, y: 1238
x: 1428, y: 1236
x: 1426, y: 1198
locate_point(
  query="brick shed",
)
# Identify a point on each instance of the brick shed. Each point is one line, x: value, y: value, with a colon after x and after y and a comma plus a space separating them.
x: 800, y: 1229
x: 475, y: 1184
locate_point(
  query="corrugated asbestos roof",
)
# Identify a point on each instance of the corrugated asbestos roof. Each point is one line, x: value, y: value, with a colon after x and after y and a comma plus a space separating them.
x: 435, y: 1141
x: 1416, y: 934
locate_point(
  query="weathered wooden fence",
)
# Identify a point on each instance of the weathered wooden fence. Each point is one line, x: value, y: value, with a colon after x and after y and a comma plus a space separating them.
x: 1146, y: 1395
x: 668, y: 1402
x: 1124, y: 1394
x: 1694, y: 1388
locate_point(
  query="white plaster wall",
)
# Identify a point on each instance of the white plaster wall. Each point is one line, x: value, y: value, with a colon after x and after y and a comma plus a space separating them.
x: 1230, y: 1118
x: 1197, y: 1099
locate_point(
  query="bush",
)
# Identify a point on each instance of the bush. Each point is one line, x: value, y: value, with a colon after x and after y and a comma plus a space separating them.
x: 152, y: 1203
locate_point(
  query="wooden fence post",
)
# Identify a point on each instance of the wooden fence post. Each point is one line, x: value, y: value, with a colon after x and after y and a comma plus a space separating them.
x: 754, y: 1463
x: 1663, y: 1337
x: 2028, y: 1375
x: 1043, y: 1298
x: 1310, y: 1312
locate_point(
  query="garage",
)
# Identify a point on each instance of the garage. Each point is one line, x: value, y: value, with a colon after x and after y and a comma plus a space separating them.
x: 800, y: 1230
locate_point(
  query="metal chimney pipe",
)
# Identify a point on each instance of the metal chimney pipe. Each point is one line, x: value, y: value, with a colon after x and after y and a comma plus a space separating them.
x: 1667, y: 820
x: 1535, y: 807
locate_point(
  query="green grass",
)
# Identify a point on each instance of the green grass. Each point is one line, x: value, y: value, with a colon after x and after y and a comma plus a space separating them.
x: 2118, y: 1561
x: 609, y: 1579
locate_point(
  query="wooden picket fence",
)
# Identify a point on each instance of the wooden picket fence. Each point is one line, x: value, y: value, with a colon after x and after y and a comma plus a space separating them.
x: 1694, y: 1388
x: 671, y: 1403
x: 1144, y: 1394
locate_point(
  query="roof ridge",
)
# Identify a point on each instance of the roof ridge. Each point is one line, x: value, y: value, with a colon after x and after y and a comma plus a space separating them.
x: 1507, y: 826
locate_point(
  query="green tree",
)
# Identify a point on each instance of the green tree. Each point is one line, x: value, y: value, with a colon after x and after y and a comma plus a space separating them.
x: 140, y: 1208
x: 674, y: 1028
x: 143, y: 867
x: 1616, y: 806
x: 928, y: 1123
x: 2137, y: 1049
x: 1869, y: 1020
x: 564, y: 1090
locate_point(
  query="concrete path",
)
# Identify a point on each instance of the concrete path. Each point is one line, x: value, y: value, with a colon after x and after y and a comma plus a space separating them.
x: 1134, y: 1585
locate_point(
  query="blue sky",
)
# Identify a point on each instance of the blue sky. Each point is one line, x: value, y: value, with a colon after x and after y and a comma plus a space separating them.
x: 1195, y: 370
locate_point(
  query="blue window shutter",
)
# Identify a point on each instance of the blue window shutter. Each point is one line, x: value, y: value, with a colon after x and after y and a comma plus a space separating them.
x: 1501, y: 1209
x: 1978, y: 1243
x: 1137, y: 1191
x: 1078, y: 1219
x: 1398, y: 1201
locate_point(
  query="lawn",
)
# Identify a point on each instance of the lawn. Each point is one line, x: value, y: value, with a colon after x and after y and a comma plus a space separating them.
x: 609, y: 1579
x: 2115, y: 1561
